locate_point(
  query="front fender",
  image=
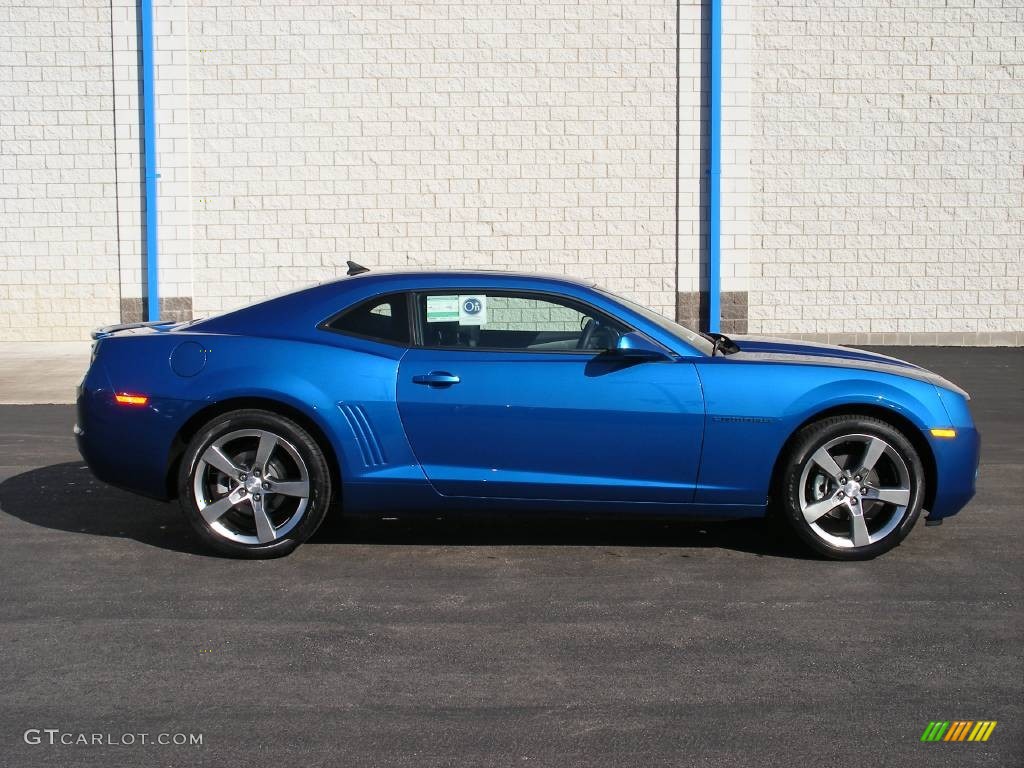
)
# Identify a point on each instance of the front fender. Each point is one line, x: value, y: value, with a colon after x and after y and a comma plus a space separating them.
x: 753, y: 407
x: 916, y: 401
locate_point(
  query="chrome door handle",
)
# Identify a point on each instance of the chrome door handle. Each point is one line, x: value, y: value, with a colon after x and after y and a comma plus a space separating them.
x: 436, y: 379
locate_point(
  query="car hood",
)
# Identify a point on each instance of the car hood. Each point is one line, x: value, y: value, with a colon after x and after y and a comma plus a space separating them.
x: 811, y: 353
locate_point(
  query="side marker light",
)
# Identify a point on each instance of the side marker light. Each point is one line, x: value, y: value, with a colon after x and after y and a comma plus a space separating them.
x: 124, y: 398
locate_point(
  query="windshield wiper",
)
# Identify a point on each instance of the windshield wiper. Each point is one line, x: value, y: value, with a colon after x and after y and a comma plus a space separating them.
x: 721, y: 342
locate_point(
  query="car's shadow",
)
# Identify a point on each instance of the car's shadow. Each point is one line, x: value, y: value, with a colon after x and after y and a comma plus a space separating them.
x: 66, y: 497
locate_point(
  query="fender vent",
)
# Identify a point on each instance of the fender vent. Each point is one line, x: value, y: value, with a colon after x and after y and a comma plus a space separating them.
x: 369, y: 446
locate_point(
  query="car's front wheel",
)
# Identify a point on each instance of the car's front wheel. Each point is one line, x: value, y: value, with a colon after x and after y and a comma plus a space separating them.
x: 254, y: 484
x: 852, y: 486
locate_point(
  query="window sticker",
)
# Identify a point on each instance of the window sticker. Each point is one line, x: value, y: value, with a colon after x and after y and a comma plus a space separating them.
x: 442, y: 309
x: 473, y: 310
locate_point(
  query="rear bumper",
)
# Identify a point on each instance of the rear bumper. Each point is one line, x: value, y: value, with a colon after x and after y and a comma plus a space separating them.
x: 127, y: 446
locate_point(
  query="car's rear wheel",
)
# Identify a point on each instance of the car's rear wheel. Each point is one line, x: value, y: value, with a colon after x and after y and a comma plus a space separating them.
x: 254, y: 484
x: 852, y: 486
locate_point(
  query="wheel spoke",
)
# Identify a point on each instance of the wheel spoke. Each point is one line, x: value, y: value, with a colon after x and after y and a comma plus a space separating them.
x: 824, y: 460
x: 267, y: 444
x: 215, y: 457
x: 855, y: 465
x: 264, y: 528
x: 264, y: 471
x: 298, y: 488
x: 898, y: 496
x: 872, y: 453
x: 817, y: 510
x: 858, y: 528
x: 214, y: 511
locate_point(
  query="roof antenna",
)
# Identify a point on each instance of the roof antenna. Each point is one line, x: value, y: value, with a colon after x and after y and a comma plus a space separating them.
x: 356, y: 269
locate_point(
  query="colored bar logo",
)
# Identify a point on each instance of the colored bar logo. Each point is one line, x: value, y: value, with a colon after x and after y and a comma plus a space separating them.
x: 958, y: 730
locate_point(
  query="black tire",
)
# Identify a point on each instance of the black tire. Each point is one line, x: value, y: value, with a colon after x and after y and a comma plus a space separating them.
x: 799, y: 489
x: 296, y: 458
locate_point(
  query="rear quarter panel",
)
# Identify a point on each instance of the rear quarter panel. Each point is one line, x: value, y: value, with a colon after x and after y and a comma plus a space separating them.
x: 316, y: 378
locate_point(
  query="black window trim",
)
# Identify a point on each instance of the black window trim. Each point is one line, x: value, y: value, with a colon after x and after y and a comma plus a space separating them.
x: 325, y: 325
x: 571, y: 301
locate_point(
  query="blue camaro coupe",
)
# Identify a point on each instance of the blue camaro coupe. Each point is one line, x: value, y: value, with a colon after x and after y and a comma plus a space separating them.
x: 423, y: 393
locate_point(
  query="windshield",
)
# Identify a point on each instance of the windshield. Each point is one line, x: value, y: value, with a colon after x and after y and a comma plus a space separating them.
x: 692, y: 338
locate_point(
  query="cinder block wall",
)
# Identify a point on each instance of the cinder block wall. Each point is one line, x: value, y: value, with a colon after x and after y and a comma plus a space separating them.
x: 888, y: 147
x: 872, y: 156
x: 513, y: 135
x: 58, y: 211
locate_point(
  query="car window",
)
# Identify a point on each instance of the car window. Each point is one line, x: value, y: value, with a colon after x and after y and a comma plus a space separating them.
x: 513, y: 321
x: 383, y: 318
x: 692, y: 338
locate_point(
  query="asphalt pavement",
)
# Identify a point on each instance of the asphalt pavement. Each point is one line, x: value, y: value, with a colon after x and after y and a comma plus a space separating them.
x: 540, y: 643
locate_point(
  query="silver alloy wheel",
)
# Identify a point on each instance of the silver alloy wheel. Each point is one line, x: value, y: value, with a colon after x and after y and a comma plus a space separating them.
x: 854, y: 490
x: 251, y: 486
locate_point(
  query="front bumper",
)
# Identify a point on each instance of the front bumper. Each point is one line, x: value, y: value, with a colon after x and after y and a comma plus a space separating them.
x: 956, y: 459
x: 956, y: 472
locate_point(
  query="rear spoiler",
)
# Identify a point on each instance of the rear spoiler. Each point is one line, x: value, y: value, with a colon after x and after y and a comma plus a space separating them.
x: 109, y: 330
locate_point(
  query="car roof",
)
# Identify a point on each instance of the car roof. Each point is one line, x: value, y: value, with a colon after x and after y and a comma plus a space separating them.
x: 435, y: 274
x: 301, y: 309
x: 299, y: 314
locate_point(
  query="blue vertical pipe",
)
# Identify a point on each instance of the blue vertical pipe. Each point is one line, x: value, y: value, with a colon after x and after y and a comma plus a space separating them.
x: 149, y: 147
x: 715, y: 172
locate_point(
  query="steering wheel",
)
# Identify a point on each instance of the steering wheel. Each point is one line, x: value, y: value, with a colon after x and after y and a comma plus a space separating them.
x: 589, y: 329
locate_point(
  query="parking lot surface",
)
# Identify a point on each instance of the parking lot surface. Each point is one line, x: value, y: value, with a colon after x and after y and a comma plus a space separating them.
x: 526, y: 643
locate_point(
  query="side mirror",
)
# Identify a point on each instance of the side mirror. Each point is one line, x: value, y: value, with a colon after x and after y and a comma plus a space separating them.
x: 636, y: 346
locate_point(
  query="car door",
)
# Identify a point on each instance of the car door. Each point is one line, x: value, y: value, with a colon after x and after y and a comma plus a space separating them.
x: 509, y: 395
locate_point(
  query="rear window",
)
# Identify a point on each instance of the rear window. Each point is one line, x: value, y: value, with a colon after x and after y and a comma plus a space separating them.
x: 384, y: 318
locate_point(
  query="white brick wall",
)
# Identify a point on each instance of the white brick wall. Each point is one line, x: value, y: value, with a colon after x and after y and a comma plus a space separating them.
x: 58, y: 216
x: 887, y: 164
x: 692, y: 153
x: 522, y: 135
x: 872, y: 154
x: 737, y: 73
x: 128, y: 155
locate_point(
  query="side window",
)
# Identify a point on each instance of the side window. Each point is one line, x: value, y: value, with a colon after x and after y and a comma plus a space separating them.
x: 513, y: 321
x: 384, y: 318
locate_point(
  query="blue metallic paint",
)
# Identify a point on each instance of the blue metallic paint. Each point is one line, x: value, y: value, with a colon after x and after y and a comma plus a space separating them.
x: 528, y: 424
x: 532, y: 431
